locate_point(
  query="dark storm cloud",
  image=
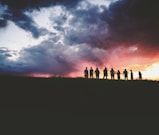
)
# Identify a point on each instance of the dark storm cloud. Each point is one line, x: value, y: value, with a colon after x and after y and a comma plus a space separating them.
x: 26, y: 23
x: 128, y: 21
x: 125, y: 22
x: 4, y: 53
x: 46, y: 58
x: 49, y: 58
x: 87, y: 27
x: 7, y: 66
x: 42, y: 59
x: 55, y: 59
x: 16, y: 10
x: 134, y: 21
x: 30, y: 4
x: 3, y: 21
x: 21, y: 20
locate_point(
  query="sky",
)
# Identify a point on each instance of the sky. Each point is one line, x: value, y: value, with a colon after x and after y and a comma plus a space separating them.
x: 61, y: 37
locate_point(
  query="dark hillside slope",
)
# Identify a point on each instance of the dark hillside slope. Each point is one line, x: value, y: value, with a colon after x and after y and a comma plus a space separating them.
x: 82, y: 96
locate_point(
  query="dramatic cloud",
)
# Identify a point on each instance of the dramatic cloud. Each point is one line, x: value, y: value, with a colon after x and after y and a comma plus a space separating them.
x: 134, y: 21
x: 3, y: 21
x: 74, y: 33
x: 30, y: 4
x: 17, y: 8
x: 7, y: 66
x: 48, y: 58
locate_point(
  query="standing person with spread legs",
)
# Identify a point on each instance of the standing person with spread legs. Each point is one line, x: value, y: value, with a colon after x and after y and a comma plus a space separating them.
x: 97, y: 72
x: 86, y: 73
x: 105, y: 73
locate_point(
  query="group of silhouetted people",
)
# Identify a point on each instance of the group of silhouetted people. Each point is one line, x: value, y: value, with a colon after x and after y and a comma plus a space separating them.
x: 90, y: 72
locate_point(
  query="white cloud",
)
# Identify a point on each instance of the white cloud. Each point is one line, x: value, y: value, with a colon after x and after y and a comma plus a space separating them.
x: 101, y: 2
x: 41, y: 17
x: 15, y: 38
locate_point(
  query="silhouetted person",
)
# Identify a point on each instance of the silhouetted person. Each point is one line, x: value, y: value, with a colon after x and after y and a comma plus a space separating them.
x: 131, y: 75
x: 112, y: 74
x: 97, y: 73
x: 86, y: 73
x: 105, y: 73
x: 125, y: 74
x: 118, y: 75
x: 91, y: 72
x: 140, y: 75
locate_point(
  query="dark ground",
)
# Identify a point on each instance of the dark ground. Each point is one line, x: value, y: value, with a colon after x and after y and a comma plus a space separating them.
x: 79, y: 106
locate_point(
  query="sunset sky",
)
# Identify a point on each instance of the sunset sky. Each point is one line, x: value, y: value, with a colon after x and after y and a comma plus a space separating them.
x: 62, y: 37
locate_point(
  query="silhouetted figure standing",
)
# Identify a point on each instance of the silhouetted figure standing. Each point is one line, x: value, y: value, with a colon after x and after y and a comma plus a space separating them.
x: 131, y: 75
x: 97, y: 73
x: 140, y: 75
x: 91, y: 72
x: 112, y: 74
x: 105, y: 73
x: 125, y: 74
x: 118, y: 75
x: 86, y: 73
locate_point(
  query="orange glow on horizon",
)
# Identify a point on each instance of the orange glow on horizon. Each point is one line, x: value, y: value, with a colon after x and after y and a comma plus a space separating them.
x: 39, y: 75
x: 131, y: 58
x: 148, y: 72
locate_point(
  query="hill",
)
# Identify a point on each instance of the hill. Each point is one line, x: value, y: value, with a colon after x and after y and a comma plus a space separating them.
x: 111, y: 99
x: 77, y: 106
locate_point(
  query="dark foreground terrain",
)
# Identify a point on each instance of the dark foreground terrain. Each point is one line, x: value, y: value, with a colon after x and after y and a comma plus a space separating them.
x: 65, y: 104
